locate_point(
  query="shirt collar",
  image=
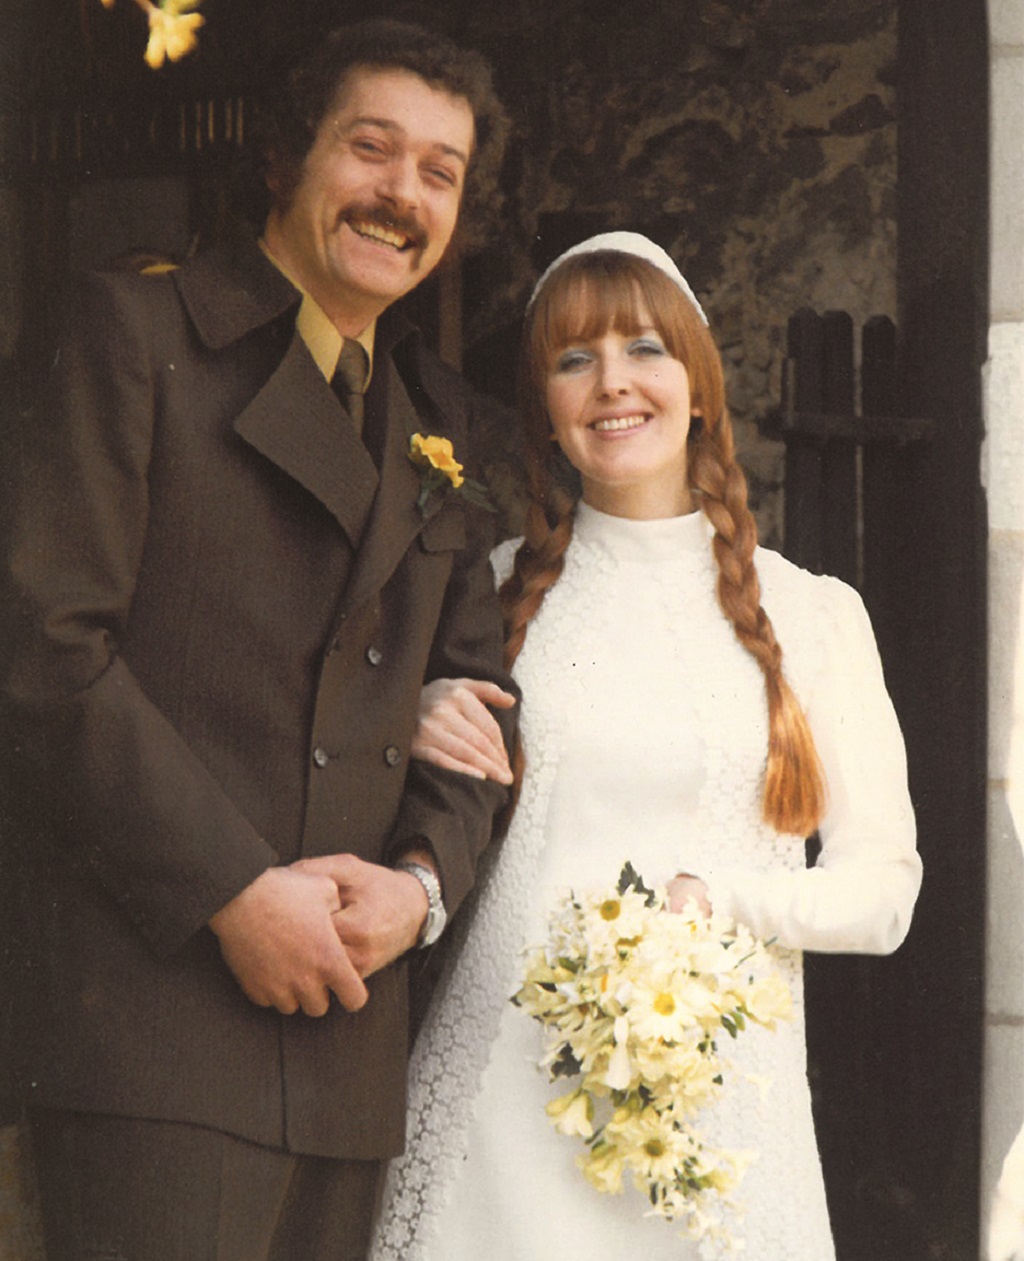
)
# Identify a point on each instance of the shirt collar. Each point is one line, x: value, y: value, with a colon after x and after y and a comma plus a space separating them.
x: 322, y: 339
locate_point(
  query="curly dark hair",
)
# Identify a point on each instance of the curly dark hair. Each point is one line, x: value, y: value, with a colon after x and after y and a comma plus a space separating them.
x: 295, y: 102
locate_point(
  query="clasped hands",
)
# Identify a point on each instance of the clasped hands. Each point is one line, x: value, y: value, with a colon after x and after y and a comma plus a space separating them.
x: 299, y: 934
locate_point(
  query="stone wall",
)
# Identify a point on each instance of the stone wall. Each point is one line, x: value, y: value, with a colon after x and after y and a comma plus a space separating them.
x: 757, y: 143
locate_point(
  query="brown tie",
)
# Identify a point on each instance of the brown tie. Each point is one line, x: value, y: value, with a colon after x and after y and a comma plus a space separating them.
x: 349, y: 381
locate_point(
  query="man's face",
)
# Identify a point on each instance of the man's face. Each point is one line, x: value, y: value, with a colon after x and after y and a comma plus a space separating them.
x: 378, y: 196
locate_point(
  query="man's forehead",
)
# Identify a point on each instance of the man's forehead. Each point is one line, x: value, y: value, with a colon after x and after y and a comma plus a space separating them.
x: 378, y: 94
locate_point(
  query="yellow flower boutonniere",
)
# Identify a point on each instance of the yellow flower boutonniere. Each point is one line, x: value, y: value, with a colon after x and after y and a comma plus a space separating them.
x: 439, y: 469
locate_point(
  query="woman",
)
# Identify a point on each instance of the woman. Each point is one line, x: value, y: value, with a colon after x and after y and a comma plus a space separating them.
x: 659, y: 726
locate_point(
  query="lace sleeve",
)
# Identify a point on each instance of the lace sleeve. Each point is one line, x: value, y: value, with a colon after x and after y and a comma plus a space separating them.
x: 503, y: 558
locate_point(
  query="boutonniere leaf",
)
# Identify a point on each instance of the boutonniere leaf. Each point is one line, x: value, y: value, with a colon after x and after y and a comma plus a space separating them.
x: 439, y: 470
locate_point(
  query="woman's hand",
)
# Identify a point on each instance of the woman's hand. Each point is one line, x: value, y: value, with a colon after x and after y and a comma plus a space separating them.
x: 455, y: 729
x: 685, y: 888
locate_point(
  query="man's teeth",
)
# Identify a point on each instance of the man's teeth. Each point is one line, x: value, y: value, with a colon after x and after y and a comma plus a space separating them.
x: 385, y: 235
x: 619, y: 422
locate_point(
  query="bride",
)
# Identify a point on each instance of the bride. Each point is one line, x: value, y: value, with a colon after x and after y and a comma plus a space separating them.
x: 661, y: 725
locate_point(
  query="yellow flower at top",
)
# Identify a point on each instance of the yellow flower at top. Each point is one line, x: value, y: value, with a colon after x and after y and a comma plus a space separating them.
x: 107, y: 4
x: 436, y: 453
x: 172, y: 31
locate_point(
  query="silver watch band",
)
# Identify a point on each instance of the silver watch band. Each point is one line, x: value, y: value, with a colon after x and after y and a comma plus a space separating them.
x: 433, y: 925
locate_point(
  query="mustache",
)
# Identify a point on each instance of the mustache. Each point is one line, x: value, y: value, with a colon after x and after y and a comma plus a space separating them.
x: 394, y: 221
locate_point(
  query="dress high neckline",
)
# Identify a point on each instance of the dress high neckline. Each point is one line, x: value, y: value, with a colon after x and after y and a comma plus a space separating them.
x: 651, y: 541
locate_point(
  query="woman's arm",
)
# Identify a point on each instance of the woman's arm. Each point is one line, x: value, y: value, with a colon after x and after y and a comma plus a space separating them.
x: 860, y: 895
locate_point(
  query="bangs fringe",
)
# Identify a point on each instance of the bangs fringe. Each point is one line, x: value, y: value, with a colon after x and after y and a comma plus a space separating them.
x: 579, y: 305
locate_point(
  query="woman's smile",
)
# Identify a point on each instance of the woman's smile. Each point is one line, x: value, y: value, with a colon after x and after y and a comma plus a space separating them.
x: 619, y: 406
x: 616, y: 424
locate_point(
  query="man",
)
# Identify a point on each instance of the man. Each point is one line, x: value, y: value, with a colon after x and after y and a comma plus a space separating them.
x: 224, y: 593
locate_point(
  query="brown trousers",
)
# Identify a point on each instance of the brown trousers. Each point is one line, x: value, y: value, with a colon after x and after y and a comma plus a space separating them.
x: 117, y: 1189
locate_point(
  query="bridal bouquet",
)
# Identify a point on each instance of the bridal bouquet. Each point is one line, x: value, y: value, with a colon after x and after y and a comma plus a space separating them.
x: 635, y: 1003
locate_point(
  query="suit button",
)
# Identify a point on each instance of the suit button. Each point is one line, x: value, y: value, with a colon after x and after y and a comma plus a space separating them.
x: 392, y: 755
x: 374, y: 656
x: 320, y: 756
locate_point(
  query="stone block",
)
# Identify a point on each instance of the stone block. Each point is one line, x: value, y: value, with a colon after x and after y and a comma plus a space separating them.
x: 1007, y: 181
x: 1006, y: 23
x: 1004, y: 943
x: 1003, y: 456
x: 1006, y: 649
x: 1003, y: 1108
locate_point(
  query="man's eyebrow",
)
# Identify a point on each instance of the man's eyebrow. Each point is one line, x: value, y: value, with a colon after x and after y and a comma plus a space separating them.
x: 389, y: 124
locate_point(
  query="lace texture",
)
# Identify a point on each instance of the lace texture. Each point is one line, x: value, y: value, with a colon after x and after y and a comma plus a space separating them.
x: 619, y: 585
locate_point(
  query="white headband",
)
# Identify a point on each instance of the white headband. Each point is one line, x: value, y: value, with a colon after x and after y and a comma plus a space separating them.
x: 624, y: 243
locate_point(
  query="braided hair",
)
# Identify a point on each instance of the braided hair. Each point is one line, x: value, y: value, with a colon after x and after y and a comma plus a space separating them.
x: 584, y: 298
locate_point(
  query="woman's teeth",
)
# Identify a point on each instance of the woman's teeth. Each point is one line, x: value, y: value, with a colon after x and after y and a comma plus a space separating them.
x: 619, y: 422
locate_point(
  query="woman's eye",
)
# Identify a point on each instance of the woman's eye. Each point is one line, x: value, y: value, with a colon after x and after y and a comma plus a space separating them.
x: 647, y: 347
x: 571, y: 361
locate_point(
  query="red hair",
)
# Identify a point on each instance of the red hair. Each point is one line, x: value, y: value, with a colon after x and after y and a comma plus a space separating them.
x: 587, y: 296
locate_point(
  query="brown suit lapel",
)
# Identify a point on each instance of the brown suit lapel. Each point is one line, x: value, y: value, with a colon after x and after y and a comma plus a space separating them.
x: 395, y: 520
x: 296, y: 422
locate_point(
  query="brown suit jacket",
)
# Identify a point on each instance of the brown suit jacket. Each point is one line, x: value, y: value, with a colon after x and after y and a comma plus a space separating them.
x: 217, y: 620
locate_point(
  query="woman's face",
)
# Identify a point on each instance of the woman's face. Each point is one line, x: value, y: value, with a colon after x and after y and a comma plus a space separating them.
x: 619, y: 405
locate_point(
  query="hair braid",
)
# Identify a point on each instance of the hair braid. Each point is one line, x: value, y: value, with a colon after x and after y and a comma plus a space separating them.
x: 538, y: 566
x: 539, y: 560
x: 794, y: 789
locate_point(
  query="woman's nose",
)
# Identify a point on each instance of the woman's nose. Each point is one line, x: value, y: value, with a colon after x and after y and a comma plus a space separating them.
x: 612, y: 375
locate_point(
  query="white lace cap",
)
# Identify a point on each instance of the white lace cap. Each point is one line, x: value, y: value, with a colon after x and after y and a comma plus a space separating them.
x: 625, y: 243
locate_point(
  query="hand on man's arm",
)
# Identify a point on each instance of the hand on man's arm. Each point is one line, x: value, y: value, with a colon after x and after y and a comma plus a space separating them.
x: 456, y: 730
x: 278, y: 937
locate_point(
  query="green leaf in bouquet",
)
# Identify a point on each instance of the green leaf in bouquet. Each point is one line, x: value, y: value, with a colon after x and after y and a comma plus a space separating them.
x: 566, y: 1064
x: 630, y: 878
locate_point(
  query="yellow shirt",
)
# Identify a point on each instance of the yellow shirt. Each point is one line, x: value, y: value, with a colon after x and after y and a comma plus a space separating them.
x: 323, y: 341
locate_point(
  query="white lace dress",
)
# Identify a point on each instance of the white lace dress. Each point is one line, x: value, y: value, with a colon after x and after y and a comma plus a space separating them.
x: 644, y: 724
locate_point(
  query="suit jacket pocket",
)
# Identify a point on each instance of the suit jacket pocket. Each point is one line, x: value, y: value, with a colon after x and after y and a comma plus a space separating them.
x: 444, y: 532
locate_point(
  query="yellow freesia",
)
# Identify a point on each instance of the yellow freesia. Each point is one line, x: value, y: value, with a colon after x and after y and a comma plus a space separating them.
x: 172, y: 28
x: 572, y: 1114
x: 438, y: 453
x: 603, y: 1167
x: 172, y: 33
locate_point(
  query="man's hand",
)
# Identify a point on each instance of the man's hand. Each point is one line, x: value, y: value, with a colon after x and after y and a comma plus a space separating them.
x: 455, y: 729
x: 278, y: 938
x: 381, y: 910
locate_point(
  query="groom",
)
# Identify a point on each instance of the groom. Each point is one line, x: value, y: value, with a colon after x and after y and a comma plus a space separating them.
x: 221, y: 599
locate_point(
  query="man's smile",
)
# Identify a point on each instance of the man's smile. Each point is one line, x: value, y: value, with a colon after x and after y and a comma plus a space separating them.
x: 386, y: 229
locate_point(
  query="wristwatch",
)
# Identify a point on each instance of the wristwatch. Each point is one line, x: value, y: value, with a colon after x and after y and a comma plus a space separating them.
x: 437, y: 916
